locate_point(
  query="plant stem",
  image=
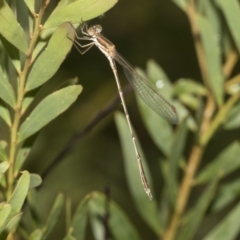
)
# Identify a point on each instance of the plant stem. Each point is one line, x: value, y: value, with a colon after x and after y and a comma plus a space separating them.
x: 184, y: 191
x: 219, y: 119
x: 187, y: 182
x: 20, y: 96
x: 197, y: 149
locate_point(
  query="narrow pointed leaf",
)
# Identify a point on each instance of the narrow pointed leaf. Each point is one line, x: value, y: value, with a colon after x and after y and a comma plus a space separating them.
x: 36, y: 235
x: 3, y: 168
x: 185, y: 85
x: 226, y: 195
x: 178, y: 147
x: 13, y: 54
x: 3, y: 154
x: 190, y: 101
x: 228, y: 228
x: 79, y: 221
x: 51, y: 58
x: 26, y: 102
x: 30, y: 5
x: 32, y: 201
x: 78, y: 11
x: 213, y: 15
x: 20, y: 193
x: 233, y: 119
x: 53, y: 216
x: 5, y: 115
x: 6, y: 91
x: 149, y: 212
x: 21, y: 157
x: 226, y: 162
x: 48, y: 109
x: 96, y: 213
x: 159, y: 79
x: 11, y: 29
x: 213, y: 59
x: 197, y: 213
x: 164, y: 207
x: 97, y: 209
x: 175, y: 157
x: 231, y: 12
x: 14, y: 222
x: 4, y: 213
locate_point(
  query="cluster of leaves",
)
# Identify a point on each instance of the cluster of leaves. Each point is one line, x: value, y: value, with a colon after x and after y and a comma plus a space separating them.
x: 216, y: 106
x: 31, y: 53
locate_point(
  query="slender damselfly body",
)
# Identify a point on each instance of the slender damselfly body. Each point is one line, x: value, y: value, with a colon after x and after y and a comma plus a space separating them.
x: 145, y: 90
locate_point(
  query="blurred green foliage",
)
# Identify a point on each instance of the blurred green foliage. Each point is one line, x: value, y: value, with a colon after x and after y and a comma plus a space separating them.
x: 193, y: 168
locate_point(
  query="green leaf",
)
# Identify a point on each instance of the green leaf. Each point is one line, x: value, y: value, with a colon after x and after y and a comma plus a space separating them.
x: 233, y: 118
x: 149, y: 212
x: 159, y: 79
x: 228, y: 228
x: 185, y: 85
x: 48, y: 109
x: 36, y: 235
x: 181, y: 3
x: 214, y: 17
x: 231, y: 12
x: 178, y: 147
x: 226, y: 195
x: 35, y: 180
x: 30, y: 5
x: 53, y: 216
x: 97, y: 209
x: 3, y: 154
x: 20, y: 193
x: 77, y: 11
x: 12, y: 224
x: 6, y: 91
x: 79, y: 221
x: 190, y: 101
x: 13, y: 54
x: 51, y: 58
x: 21, y: 157
x: 26, y: 102
x: 213, y: 59
x: 175, y: 157
x: 165, y: 205
x: 5, y: 115
x: 3, y: 168
x: 33, y: 204
x: 153, y: 123
x: 226, y: 162
x: 11, y: 29
x: 4, y: 213
x: 196, y: 214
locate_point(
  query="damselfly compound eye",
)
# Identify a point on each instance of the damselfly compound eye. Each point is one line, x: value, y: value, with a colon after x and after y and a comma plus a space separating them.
x: 91, y: 31
x: 98, y: 28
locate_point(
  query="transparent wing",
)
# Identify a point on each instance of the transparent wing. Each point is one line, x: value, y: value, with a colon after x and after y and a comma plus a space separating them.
x: 146, y: 91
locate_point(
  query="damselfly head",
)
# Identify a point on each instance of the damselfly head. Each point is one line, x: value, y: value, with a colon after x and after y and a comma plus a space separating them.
x: 93, y: 30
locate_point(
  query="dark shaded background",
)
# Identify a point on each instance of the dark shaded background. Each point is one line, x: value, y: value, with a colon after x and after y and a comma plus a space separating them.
x: 141, y: 30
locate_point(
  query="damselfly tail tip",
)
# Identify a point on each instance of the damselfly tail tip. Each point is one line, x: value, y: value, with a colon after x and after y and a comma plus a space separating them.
x: 149, y: 195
